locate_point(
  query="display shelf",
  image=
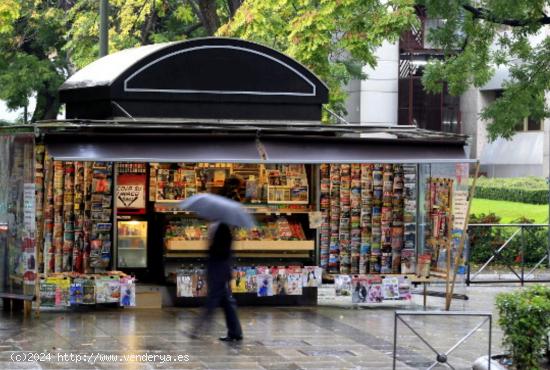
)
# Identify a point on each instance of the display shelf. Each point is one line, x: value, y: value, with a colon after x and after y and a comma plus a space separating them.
x: 244, y: 245
x: 286, y: 254
x: 131, y: 236
x: 255, y: 210
x: 131, y: 249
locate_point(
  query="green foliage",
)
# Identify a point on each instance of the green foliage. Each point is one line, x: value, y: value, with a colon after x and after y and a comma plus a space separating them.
x: 531, y: 196
x: 524, y: 317
x: 42, y: 42
x: 477, y: 37
x: 532, y: 190
x: 332, y: 38
x: 484, y: 241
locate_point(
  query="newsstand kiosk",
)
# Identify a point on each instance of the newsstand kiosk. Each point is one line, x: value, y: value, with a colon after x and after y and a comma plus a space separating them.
x: 89, y: 204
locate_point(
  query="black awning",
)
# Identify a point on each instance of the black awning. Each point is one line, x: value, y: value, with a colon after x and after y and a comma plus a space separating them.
x: 154, y: 148
x: 359, y: 150
x: 249, y: 149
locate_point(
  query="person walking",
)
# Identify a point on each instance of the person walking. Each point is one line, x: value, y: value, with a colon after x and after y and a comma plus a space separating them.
x: 218, y: 276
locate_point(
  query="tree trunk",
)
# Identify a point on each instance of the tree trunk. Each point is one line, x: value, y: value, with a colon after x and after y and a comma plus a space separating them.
x: 209, y: 16
x: 233, y: 6
x: 47, y: 106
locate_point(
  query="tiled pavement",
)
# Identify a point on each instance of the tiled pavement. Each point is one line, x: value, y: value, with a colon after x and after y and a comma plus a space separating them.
x: 328, y: 336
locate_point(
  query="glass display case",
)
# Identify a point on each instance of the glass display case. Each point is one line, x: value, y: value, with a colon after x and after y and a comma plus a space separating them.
x: 132, y: 244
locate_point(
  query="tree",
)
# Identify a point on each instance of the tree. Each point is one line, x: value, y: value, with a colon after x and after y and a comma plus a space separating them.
x: 479, y: 36
x: 335, y: 39
x: 42, y: 42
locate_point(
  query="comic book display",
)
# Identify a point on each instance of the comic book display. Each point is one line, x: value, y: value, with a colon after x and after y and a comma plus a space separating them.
x: 364, y: 207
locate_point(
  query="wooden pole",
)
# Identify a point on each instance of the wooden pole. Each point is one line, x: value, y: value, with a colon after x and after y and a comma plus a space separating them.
x: 471, y: 194
x: 449, y: 240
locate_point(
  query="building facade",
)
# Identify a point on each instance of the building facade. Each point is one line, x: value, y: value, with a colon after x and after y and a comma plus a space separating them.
x: 393, y: 94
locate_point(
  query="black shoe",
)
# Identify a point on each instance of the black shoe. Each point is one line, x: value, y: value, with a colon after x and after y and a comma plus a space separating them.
x: 231, y: 339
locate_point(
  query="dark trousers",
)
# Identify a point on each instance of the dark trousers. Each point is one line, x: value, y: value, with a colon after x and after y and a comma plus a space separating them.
x: 219, y: 295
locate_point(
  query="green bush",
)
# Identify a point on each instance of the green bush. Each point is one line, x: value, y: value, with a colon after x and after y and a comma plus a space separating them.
x: 484, y: 241
x: 524, y: 317
x: 532, y: 190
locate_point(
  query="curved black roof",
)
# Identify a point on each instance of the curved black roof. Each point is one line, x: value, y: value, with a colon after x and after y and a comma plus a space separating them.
x: 218, y: 78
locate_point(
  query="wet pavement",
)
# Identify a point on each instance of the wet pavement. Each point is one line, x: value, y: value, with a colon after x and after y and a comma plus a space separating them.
x: 331, y: 336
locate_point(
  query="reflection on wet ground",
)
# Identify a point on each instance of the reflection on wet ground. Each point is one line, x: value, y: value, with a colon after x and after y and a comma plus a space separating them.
x: 275, y: 338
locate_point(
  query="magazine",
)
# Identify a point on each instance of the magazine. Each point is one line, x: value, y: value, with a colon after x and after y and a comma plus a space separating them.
x: 312, y: 276
x: 390, y: 288
x: 251, y: 284
x: 360, y: 289
x: 265, y: 285
x: 199, y: 283
x: 127, y: 292
x: 375, y: 289
x: 294, y: 281
x: 184, y: 282
x: 342, y: 284
x: 238, y: 281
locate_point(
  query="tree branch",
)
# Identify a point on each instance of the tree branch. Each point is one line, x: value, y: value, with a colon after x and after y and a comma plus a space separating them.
x: 189, y: 30
x: 482, y: 13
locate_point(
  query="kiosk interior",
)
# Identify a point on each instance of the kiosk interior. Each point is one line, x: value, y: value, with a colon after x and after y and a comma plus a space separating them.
x: 94, y: 198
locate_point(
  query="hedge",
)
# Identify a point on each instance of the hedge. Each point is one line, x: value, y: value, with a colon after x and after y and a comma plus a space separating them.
x: 513, y: 195
x: 532, y: 190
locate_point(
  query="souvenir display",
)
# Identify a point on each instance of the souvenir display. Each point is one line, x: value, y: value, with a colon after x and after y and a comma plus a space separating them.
x: 440, y: 215
x: 287, y: 183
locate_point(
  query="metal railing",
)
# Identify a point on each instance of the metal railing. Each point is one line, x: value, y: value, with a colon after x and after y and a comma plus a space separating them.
x: 512, y: 251
x: 442, y: 358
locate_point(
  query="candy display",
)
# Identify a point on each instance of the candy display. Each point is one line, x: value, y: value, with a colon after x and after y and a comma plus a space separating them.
x: 268, y: 228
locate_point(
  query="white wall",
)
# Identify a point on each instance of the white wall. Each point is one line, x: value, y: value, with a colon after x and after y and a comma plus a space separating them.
x: 374, y: 101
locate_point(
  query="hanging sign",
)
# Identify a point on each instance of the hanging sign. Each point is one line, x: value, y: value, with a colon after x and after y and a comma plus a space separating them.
x: 130, y: 191
x: 460, y: 208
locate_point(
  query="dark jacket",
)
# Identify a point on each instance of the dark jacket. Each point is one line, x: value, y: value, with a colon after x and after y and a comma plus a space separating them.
x: 219, y: 255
